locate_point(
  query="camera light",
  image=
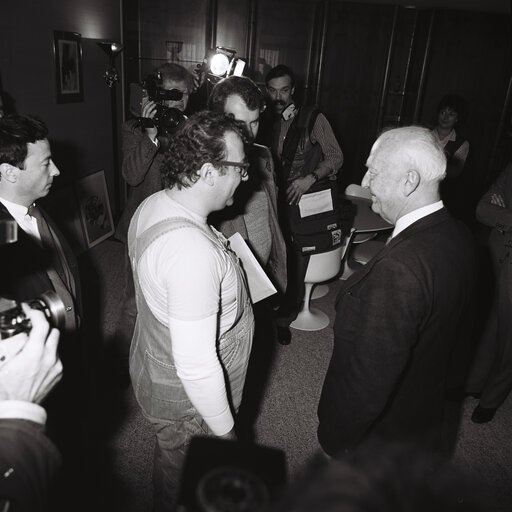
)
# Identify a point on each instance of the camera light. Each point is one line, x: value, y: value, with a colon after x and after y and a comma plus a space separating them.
x: 219, y: 64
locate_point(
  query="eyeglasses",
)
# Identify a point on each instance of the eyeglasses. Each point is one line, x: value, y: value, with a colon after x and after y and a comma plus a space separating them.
x: 241, y: 167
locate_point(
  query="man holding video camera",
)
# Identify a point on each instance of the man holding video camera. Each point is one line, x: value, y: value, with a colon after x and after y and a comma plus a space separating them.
x: 144, y: 140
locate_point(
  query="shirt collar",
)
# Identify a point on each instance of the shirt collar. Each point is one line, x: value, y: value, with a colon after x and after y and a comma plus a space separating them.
x: 450, y: 137
x: 18, y: 211
x: 411, y: 217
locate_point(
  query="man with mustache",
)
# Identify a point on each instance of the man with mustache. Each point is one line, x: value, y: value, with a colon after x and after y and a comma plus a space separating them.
x: 317, y: 158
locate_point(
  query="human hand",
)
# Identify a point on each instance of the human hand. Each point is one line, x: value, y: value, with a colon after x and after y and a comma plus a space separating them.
x: 497, y: 200
x: 149, y: 112
x: 31, y: 374
x: 149, y: 109
x: 298, y: 187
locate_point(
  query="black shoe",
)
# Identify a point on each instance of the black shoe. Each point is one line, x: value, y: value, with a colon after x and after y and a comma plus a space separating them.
x: 284, y: 335
x: 482, y: 414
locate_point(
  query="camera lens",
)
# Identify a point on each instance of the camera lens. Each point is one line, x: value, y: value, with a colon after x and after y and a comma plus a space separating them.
x: 168, y: 119
x: 14, y: 320
x: 231, y: 488
x: 52, y: 307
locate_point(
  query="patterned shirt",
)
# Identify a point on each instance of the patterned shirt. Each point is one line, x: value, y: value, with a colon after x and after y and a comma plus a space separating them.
x: 322, y: 134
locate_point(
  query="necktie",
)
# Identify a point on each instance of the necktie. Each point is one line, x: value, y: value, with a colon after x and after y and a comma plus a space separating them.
x: 58, y: 272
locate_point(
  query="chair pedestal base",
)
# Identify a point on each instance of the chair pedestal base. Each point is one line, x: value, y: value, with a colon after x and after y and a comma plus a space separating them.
x: 310, y: 320
x: 320, y: 290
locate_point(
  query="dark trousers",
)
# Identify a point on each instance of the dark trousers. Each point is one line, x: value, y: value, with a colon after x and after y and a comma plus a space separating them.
x: 292, y: 301
x: 492, y: 368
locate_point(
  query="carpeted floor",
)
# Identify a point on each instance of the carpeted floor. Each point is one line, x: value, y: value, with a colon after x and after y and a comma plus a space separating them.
x: 284, y: 398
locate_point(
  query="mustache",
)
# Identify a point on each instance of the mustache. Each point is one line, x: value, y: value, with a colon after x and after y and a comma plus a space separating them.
x: 278, y: 102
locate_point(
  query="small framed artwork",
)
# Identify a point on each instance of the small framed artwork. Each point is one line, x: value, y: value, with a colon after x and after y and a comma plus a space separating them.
x: 95, y: 208
x: 68, y: 66
x: 174, y: 49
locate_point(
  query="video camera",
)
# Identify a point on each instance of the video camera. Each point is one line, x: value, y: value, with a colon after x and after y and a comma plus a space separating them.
x: 167, y: 119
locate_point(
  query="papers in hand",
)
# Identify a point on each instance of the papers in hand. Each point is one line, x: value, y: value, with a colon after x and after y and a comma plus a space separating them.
x: 260, y: 286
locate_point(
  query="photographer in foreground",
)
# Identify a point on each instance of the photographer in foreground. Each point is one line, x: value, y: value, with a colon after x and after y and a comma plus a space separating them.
x: 143, y: 146
x: 29, y: 461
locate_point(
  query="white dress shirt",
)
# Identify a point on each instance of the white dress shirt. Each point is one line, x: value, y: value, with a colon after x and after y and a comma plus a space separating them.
x: 22, y: 218
x: 410, y: 218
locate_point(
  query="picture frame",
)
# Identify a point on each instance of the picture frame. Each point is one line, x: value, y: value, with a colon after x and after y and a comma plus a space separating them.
x: 68, y: 66
x: 62, y: 206
x: 95, y: 211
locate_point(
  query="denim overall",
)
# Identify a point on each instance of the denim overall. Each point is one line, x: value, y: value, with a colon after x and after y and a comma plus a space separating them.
x: 157, y: 387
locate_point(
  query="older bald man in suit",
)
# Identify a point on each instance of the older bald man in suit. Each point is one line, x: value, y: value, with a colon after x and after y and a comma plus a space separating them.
x: 397, y: 318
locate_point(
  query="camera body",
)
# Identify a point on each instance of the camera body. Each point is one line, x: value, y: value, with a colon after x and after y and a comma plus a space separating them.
x: 15, y: 325
x: 14, y: 321
x: 167, y: 119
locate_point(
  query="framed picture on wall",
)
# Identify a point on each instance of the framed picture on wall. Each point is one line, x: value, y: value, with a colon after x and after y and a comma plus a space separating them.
x: 68, y: 66
x: 95, y: 208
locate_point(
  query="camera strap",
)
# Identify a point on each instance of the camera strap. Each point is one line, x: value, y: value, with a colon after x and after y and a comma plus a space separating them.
x: 59, y: 272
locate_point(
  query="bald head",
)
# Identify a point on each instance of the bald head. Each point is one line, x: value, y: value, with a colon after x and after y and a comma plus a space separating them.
x: 405, y: 168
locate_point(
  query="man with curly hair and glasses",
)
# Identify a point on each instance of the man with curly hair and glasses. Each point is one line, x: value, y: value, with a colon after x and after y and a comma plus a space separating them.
x: 194, y: 329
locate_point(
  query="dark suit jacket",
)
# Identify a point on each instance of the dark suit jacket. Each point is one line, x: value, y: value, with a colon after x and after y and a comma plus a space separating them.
x: 395, y: 327
x: 35, y: 460
x: 141, y: 170
x: 24, y: 265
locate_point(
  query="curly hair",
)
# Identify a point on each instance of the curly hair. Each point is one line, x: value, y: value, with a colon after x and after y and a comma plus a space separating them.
x: 199, y: 140
x: 16, y: 132
x: 172, y: 71
x: 239, y: 85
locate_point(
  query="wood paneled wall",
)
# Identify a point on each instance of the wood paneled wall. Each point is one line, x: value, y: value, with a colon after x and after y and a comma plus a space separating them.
x: 362, y: 84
